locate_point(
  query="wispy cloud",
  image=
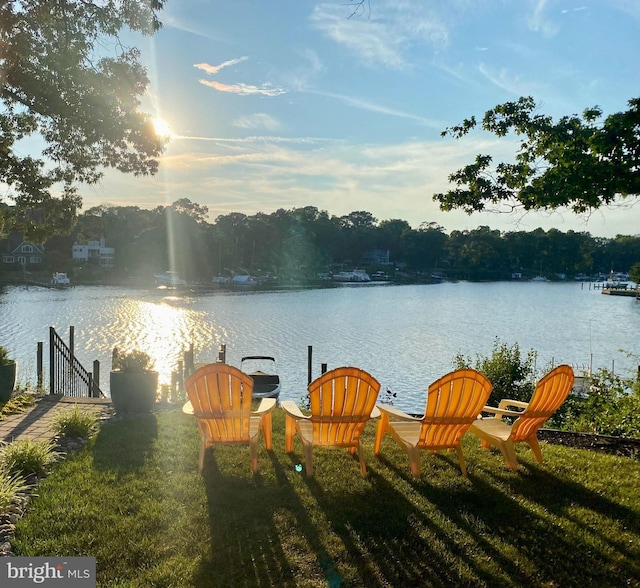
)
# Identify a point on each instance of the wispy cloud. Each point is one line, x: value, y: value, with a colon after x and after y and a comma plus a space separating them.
x: 539, y: 22
x: 259, y: 120
x: 244, y: 89
x: 335, y: 175
x: 310, y: 69
x: 241, y: 89
x: 514, y: 84
x: 372, y: 107
x: 256, y: 139
x: 384, y: 38
x: 170, y: 20
x: 214, y: 69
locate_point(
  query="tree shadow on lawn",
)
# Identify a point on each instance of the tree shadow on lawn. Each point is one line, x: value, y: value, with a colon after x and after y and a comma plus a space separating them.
x: 477, y: 532
x: 256, y: 526
x: 562, y: 496
x: 413, y: 537
x: 125, y: 448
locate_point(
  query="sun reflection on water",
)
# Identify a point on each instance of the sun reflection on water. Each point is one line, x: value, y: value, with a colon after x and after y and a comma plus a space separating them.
x: 163, y: 329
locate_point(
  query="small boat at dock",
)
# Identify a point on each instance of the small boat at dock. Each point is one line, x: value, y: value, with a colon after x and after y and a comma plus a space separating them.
x: 169, y: 279
x: 356, y: 275
x: 266, y: 382
x: 60, y: 280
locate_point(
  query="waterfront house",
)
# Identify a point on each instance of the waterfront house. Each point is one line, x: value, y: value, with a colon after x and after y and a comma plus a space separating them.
x: 94, y: 250
x: 20, y: 252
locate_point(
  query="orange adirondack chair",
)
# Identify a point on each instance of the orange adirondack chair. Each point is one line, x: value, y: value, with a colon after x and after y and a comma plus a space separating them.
x: 341, y: 402
x: 453, y: 403
x: 220, y: 398
x: 551, y: 391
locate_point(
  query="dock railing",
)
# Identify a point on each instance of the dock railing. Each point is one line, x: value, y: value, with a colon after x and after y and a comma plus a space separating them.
x: 66, y: 374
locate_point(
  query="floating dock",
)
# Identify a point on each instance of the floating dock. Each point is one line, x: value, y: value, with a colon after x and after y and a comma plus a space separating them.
x: 621, y: 292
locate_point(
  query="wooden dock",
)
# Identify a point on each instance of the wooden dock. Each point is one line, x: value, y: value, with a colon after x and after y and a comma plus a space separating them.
x: 621, y: 292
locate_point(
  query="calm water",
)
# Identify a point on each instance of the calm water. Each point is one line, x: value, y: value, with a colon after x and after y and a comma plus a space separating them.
x: 406, y: 336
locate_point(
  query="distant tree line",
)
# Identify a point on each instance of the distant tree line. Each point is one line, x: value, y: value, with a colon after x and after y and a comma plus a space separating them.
x: 297, y: 244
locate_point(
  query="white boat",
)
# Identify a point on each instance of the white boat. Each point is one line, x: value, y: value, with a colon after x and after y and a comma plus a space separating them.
x: 244, y: 280
x: 539, y: 279
x: 169, y: 278
x: 266, y: 382
x: 60, y: 279
x: 356, y: 275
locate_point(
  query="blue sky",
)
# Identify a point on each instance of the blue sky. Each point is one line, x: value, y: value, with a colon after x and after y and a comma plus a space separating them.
x: 285, y: 104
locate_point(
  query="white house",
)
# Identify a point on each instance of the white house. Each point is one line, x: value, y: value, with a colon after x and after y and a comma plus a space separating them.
x: 94, y: 250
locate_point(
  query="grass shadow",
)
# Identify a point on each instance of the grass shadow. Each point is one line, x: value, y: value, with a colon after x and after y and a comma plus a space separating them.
x: 119, y: 446
x: 263, y: 522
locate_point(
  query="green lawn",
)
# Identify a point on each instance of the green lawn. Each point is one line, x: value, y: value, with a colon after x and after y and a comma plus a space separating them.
x: 134, y: 498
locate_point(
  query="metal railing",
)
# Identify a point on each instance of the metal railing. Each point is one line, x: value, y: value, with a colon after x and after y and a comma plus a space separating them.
x: 66, y: 374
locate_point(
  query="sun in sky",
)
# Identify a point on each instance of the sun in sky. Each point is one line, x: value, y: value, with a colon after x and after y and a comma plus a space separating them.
x: 162, y: 128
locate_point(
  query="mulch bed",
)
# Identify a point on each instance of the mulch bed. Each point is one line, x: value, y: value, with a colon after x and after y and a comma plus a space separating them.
x: 603, y: 443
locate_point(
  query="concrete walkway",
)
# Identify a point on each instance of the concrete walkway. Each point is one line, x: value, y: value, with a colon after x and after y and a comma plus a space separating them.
x: 36, y: 422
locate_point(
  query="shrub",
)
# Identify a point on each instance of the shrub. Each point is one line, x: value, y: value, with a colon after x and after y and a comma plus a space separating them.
x: 135, y: 361
x: 4, y: 356
x: 75, y: 423
x: 10, y: 485
x: 26, y: 457
x: 611, y: 408
x: 511, y: 374
x: 17, y: 403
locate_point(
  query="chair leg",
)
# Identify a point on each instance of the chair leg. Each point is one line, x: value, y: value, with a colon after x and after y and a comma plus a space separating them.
x: 535, y: 447
x: 290, y: 431
x: 463, y: 465
x: 203, y: 447
x: 381, y: 429
x: 253, y: 447
x: 509, y: 452
x: 363, y: 466
x: 414, y: 460
x: 308, y: 459
x: 267, y: 428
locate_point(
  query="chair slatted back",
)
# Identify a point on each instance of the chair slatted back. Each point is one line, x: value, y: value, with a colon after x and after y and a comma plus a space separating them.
x: 551, y: 391
x: 341, y: 402
x: 221, y: 398
x: 453, y: 403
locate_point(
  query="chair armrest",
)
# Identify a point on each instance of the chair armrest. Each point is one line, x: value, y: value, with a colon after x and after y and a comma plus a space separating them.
x: 500, y: 411
x: 188, y: 408
x: 375, y: 413
x: 395, y: 413
x: 292, y: 410
x: 266, y: 406
x: 518, y: 403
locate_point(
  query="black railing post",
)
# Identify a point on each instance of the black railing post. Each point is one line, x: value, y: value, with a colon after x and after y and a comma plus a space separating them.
x: 309, y: 358
x: 52, y: 359
x: 96, y: 379
x: 40, y: 364
x: 72, y: 338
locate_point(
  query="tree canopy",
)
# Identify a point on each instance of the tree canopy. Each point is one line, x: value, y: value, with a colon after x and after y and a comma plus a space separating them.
x: 578, y: 162
x: 68, y: 83
x: 299, y: 243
